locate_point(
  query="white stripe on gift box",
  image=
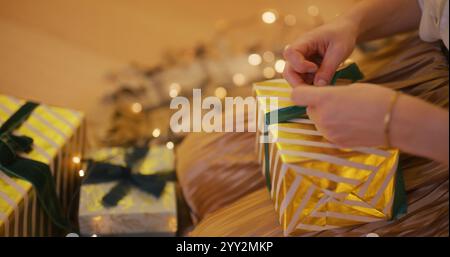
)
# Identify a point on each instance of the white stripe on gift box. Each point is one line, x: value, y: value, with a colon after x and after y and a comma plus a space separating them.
x: 289, y: 196
x: 284, y: 169
x: 299, y: 210
x: 386, y: 182
x: 343, y: 216
x: 329, y: 159
x: 325, y: 175
x: 331, y: 146
x: 38, y: 149
x: 15, y: 207
x: 308, y: 132
x: 39, y: 117
x: 22, y: 192
x: 5, y: 220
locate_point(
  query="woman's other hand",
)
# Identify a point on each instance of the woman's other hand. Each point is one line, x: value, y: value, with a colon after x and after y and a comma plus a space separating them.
x: 315, y: 57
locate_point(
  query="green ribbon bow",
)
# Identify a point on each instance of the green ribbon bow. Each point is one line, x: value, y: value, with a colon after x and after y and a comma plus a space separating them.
x: 352, y: 73
x: 37, y: 173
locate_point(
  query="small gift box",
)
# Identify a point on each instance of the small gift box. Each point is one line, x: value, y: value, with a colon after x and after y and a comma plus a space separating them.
x: 129, y: 192
x: 314, y: 184
x: 40, y: 152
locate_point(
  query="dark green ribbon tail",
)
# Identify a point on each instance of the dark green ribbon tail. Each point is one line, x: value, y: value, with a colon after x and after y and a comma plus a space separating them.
x: 37, y: 173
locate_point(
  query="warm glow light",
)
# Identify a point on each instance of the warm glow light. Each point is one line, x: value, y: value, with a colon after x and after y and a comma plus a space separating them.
x: 81, y: 173
x: 279, y: 66
x: 372, y: 235
x: 239, y: 79
x: 156, y: 132
x: 173, y: 93
x: 290, y: 20
x: 94, y: 235
x: 268, y: 56
x: 269, y: 17
x: 220, y: 92
x: 254, y: 59
x: 174, y: 89
x: 76, y: 159
x: 313, y: 10
x: 170, y: 145
x: 136, y: 107
x: 269, y: 72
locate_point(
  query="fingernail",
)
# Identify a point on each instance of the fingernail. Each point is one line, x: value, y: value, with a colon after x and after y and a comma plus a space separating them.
x: 321, y: 82
x: 312, y: 70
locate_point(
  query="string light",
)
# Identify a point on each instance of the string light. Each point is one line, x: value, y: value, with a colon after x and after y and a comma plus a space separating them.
x: 279, y: 66
x: 313, y: 11
x: 290, y: 20
x: 239, y: 79
x: 254, y: 59
x: 76, y: 159
x: 170, y: 145
x: 81, y: 173
x: 173, y: 93
x: 269, y: 17
x: 156, y: 133
x: 220, y: 92
x: 136, y: 107
x: 268, y: 56
x: 174, y: 90
x: 269, y: 72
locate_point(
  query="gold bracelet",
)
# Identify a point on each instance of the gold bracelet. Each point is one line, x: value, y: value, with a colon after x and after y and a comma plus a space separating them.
x: 388, y: 119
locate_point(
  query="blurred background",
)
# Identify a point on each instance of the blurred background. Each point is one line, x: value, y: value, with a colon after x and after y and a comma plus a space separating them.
x: 121, y: 61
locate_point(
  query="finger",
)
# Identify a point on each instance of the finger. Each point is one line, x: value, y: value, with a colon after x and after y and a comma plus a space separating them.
x: 330, y: 64
x: 312, y: 113
x: 307, y: 96
x: 292, y: 76
x: 295, y: 56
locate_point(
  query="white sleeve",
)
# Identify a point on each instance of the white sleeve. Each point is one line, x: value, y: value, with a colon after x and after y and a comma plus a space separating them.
x: 434, y: 23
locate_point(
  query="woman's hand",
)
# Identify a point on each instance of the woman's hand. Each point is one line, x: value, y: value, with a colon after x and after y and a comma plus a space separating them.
x: 349, y: 116
x: 315, y: 57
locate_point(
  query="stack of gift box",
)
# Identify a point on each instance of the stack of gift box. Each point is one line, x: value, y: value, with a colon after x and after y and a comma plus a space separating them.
x: 38, y: 140
x: 50, y: 186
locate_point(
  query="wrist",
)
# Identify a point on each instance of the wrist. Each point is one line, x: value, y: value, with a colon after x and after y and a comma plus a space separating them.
x: 420, y: 128
x: 353, y: 23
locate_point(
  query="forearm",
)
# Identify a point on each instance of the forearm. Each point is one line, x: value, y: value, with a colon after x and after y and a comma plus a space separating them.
x: 375, y: 19
x: 421, y: 129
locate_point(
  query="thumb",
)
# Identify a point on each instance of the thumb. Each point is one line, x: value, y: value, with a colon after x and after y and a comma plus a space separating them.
x: 307, y: 95
x: 330, y: 64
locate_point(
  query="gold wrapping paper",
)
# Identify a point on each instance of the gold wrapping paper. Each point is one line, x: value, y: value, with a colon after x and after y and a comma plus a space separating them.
x: 315, y: 185
x: 58, y: 136
x: 138, y: 213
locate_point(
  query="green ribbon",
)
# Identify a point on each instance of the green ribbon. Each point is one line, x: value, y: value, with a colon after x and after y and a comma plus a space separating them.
x: 354, y: 74
x: 350, y: 72
x: 37, y: 173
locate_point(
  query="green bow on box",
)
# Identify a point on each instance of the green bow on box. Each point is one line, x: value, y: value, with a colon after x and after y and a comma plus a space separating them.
x: 37, y: 173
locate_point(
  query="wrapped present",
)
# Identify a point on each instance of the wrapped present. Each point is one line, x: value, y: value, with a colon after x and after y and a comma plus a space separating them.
x: 129, y: 192
x: 314, y: 184
x: 40, y: 150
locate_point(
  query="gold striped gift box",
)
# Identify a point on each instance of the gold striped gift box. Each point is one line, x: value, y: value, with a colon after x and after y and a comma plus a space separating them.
x: 58, y: 136
x: 317, y: 186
